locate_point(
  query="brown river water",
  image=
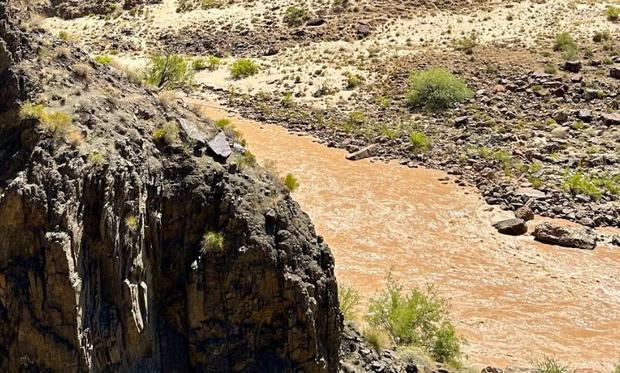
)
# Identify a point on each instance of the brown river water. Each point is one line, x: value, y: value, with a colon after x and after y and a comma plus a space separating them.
x: 513, y: 299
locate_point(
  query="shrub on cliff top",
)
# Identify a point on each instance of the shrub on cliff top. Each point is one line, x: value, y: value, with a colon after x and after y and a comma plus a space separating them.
x: 291, y: 183
x: 349, y: 300
x: 436, y: 89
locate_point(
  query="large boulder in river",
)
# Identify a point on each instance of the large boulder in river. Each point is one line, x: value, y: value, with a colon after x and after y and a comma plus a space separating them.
x: 513, y: 227
x: 578, y: 237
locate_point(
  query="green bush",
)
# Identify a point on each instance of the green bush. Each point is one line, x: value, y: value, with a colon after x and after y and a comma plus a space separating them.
x: 223, y: 123
x: 549, y: 365
x: 349, y: 300
x: 212, y: 242
x: 295, y: 16
x: 167, y: 134
x: 617, y: 368
x: 613, y: 13
x: 600, y: 36
x: 436, y: 89
x: 103, y: 59
x: 419, y: 141
x: 291, y: 183
x: 169, y: 71
x: 417, y: 318
x: 243, y: 68
x: 354, y: 80
x: 375, y: 338
x: 580, y: 183
x: 566, y: 44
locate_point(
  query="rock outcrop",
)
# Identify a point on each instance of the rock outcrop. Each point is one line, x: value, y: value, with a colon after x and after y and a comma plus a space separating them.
x: 70, y: 9
x: 102, y: 264
x: 577, y: 237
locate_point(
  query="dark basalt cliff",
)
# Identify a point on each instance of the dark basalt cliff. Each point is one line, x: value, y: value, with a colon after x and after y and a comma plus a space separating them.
x: 101, y: 263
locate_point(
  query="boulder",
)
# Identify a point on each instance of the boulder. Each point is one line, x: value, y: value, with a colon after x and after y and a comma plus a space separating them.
x: 577, y: 237
x: 611, y: 118
x: 572, y: 66
x: 614, y: 72
x: 219, y: 146
x: 513, y: 227
x: 525, y: 213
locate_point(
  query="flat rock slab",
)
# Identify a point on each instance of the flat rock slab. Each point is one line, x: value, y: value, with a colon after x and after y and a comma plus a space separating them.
x: 193, y: 133
x: 577, y: 237
x: 366, y: 152
x: 530, y: 192
x: 219, y: 146
x: 512, y: 227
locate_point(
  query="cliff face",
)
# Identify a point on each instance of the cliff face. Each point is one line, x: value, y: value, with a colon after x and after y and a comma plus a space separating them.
x: 101, y: 262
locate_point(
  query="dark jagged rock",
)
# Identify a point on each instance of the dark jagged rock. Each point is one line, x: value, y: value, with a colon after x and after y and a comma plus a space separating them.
x: 577, y: 237
x: 69, y: 9
x: 513, y: 227
x: 102, y: 266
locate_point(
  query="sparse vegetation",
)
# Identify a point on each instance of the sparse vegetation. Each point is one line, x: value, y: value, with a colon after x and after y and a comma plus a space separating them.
x: 419, y: 141
x: 131, y: 222
x: 565, y: 43
x: 549, y: 365
x: 54, y: 122
x: 353, y: 80
x: 613, y: 13
x: 466, y: 44
x: 103, y: 59
x: 295, y: 16
x: 168, y: 72
x: 243, y: 68
x: 349, y: 300
x: 212, y: 242
x: 417, y: 318
x: 436, y: 89
x: 591, y: 185
x: 291, y: 183
x: 167, y: 134
x: 210, y: 63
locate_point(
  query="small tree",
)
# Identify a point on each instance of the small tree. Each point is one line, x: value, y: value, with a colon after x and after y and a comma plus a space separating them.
x: 170, y: 71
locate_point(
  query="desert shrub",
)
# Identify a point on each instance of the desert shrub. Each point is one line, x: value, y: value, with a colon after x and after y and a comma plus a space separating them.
x: 103, y: 59
x: 212, y: 242
x: 167, y: 134
x: 375, y: 338
x: 467, y: 43
x: 354, y: 80
x: 64, y: 35
x: 349, y: 300
x: 243, y: 68
x: 295, y: 16
x: 223, y: 123
x: 550, y: 68
x: 613, y: 13
x: 210, y: 4
x: 96, y: 158
x: 291, y: 183
x: 169, y: 71
x: 131, y: 222
x: 82, y: 71
x: 416, y: 318
x: 246, y: 160
x: 566, y: 44
x: 600, y: 36
x: 617, y: 368
x: 549, y: 365
x: 419, y: 141
x: 436, y: 89
x: 199, y: 64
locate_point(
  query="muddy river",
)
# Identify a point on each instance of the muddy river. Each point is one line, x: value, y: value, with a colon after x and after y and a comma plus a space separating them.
x: 513, y: 299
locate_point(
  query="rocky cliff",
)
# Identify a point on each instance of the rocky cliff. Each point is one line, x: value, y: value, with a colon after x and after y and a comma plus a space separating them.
x: 102, y: 260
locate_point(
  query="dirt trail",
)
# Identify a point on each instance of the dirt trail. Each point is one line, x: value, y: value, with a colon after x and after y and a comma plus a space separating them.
x: 512, y: 298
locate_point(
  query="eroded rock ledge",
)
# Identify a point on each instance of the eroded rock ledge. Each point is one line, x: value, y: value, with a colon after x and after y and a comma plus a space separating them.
x: 101, y: 264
